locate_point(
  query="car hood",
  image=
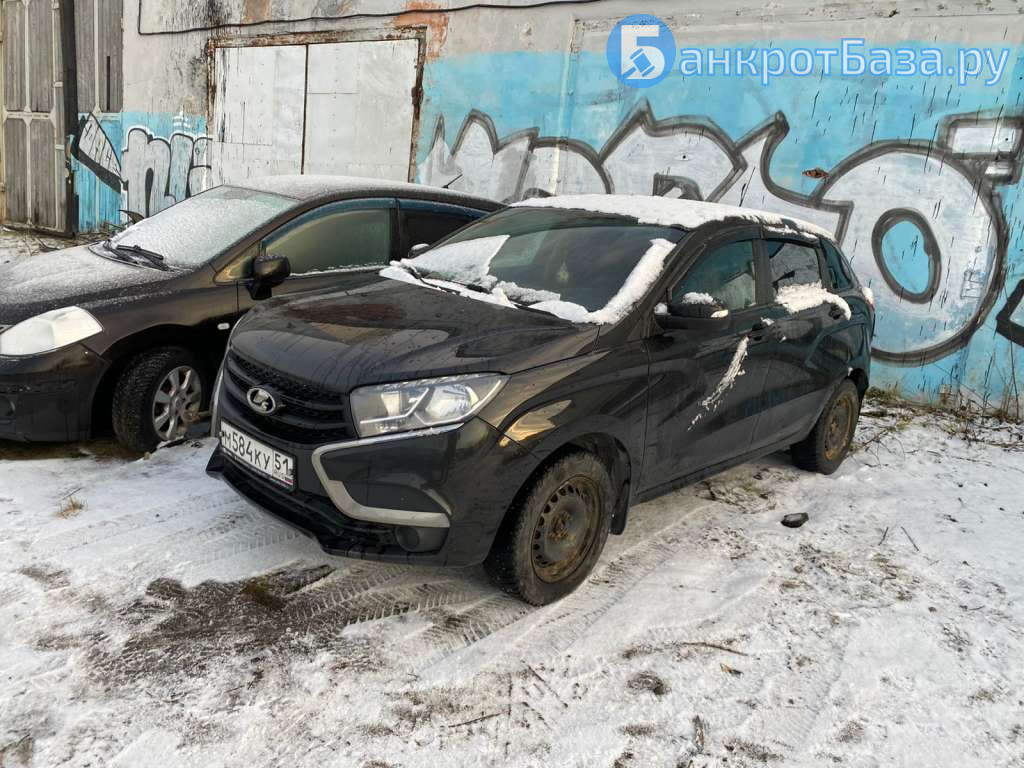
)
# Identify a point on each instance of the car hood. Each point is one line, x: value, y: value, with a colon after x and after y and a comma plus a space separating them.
x: 35, y: 284
x: 394, y: 331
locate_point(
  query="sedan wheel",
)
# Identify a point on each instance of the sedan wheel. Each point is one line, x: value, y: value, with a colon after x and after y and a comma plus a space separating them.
x: 158, y: 397
x: 177, y: 402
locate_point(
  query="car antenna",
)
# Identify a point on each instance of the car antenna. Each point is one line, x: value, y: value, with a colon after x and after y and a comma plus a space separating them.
x: 453, y: 181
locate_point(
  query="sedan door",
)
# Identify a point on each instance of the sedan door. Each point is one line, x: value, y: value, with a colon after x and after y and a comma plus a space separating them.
x: 707, y: 388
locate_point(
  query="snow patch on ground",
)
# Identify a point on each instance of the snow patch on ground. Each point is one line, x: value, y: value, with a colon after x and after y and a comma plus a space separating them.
x: 664, y: 211
x: 796, y: 298
x: 166, y: 622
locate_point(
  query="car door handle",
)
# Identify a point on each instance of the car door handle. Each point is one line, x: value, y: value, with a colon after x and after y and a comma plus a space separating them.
x: 758, y: 332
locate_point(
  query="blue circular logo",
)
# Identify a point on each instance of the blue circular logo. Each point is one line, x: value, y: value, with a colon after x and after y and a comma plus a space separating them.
x: 641, y: 50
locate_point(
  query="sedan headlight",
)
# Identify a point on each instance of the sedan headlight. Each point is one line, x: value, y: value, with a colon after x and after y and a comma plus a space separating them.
x: 408, y: 405
x: 48, y: 331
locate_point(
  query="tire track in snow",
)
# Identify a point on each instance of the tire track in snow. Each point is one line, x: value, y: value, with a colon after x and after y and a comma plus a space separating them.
x: 556, y: 627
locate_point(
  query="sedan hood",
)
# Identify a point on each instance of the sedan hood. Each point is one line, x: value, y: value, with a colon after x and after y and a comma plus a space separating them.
x: 394, y: 331
x: 72, y: 276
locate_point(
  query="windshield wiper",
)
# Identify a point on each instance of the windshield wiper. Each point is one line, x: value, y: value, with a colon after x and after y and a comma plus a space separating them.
x: 154, y: 258
x: 414, y: 273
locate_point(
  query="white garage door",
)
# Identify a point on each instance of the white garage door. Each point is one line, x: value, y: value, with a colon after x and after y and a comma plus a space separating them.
x: 339, y: 108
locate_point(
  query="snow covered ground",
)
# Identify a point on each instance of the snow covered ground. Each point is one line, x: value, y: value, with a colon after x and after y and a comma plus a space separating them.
x: 148, y: 617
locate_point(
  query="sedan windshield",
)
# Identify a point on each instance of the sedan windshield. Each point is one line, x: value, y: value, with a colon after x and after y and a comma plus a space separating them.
x: 191, y: 233
x: 580, y: 266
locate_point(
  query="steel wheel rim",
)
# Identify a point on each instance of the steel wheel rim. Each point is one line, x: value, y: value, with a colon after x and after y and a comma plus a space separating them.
x: 177, y: 402
x: 840, y: 427
x: 566, y: 529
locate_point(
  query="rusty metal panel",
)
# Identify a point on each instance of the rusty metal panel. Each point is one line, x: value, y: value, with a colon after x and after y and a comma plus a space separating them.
x: 109, y: 50
x: 16, y: 168
x: 41, y: 55
x: 14, y: 56
x: 85, y: 50
x: 44, y: 177
x: 258, y: 112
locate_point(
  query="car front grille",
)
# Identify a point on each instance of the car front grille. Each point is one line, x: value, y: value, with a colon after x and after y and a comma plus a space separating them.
x: 310, y: 415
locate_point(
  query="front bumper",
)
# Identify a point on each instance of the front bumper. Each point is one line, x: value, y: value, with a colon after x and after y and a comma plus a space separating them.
x: 48, y: 398
x: 434, y: 498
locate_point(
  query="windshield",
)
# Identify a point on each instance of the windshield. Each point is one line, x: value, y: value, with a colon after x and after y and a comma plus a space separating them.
x: 584, y: 267
x: 189, y: 234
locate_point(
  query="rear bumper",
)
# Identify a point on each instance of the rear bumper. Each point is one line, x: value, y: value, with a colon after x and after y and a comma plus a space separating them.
x: 435, y: 498
x: 48, y: 398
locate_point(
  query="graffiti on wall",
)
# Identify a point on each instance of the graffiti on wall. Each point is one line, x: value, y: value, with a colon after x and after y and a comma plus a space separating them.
x: 150, y: 172
x: 945, y: 192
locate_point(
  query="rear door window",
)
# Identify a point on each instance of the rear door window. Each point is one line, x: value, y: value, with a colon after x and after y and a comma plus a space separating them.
x: 425, y: 222
x: 791, y: 263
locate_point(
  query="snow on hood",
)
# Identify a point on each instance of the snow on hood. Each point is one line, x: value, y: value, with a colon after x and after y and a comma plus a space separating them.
x: 668, y: 212
x: 796, y: 298
x: 68, y: 274
x: 470, y: 263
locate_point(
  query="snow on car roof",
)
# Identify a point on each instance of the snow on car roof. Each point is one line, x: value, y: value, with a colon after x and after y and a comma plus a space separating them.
x: 310, y: 186
x: 670, y: 212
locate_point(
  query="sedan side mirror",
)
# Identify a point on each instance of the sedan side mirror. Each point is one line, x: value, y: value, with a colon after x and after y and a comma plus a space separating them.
x: 693, y: 316
x: 417, y: 249
x: 268, y: 272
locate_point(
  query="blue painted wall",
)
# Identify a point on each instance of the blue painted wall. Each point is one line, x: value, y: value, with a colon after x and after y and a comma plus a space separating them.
x: 834, y: 124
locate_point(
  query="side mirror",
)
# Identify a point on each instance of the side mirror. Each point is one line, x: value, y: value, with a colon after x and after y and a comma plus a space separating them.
x: 693, y: 316
x: 417, y: 249
x: 268, y: 272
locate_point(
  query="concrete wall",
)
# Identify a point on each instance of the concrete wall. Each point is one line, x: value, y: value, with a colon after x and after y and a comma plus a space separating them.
x: 516, y: 101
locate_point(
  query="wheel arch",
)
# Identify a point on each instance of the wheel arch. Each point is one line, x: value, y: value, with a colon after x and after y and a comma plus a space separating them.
x: 612, y: 453
x: 200, y: 341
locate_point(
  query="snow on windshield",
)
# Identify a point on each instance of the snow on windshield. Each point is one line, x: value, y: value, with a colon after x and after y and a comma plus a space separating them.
x: 196, y: 230
x: 637, y: 284
x: 468, y: 262
x: 463, y: 262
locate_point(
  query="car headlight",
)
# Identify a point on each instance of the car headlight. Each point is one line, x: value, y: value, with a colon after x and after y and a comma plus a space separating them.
x: 48, y: 331
x: 387, y: 408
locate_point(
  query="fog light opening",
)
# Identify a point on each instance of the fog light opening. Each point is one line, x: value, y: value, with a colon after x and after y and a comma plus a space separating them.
x: 420, y: 539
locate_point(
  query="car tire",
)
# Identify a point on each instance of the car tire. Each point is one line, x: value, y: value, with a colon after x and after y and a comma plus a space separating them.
x: 829, y: 442
x: 555, y: 532
x: 136, y: 411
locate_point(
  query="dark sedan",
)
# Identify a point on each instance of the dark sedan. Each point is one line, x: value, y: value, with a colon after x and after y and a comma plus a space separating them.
x: 129, y: 332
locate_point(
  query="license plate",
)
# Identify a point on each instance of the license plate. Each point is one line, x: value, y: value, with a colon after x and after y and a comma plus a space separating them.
x: 279, y: 467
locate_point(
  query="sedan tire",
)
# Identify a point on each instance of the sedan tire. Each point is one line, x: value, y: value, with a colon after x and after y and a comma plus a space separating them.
x: 160, y: 393
x: 556, y: 531
x: 829, y: 442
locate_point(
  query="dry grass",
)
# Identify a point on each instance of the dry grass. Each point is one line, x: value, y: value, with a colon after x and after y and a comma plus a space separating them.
x: 70, y: 507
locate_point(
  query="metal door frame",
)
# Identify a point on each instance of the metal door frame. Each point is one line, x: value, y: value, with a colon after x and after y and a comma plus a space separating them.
x: 375, y: 35
x: 63, y: 117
